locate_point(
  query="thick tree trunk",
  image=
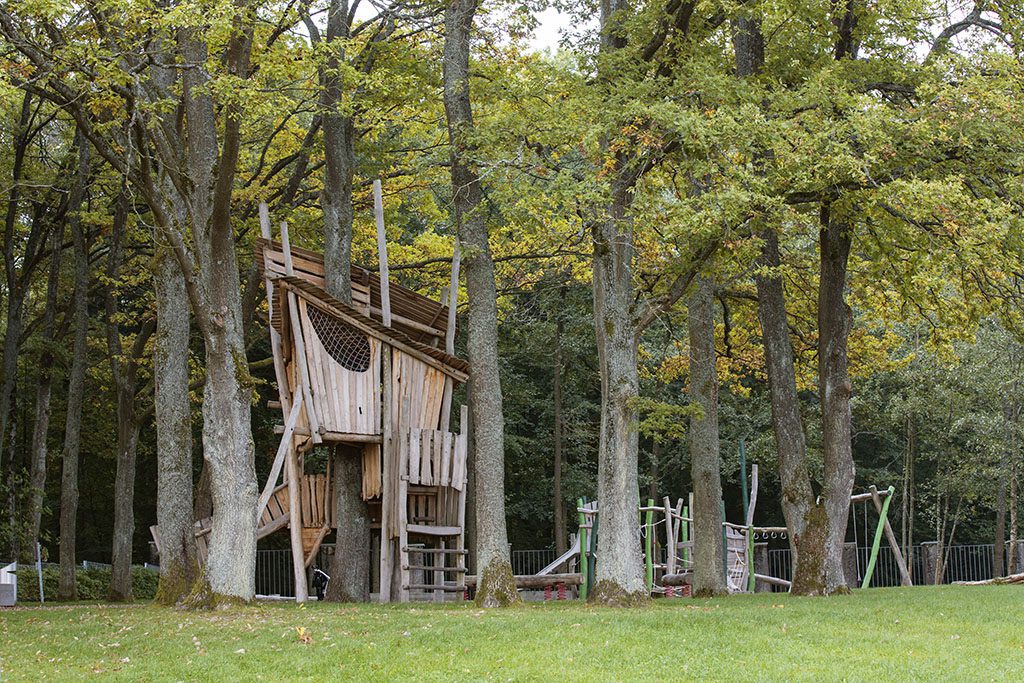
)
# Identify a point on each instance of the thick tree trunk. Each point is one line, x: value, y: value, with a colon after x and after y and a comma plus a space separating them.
x: 227, y: 394
x: 179, y: 569
x: 44, y: 390
x: 619, y: 571
x: 834, y: 320
x: 797, y: 494
x: 66, y: 587
x: 350, y: 574
x: 349, y: 566
x: 557, y: 499
x: 496, y: 586
x: 705, y: 460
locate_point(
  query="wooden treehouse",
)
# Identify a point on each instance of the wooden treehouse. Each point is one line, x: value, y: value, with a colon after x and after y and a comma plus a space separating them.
x: 374, y: 379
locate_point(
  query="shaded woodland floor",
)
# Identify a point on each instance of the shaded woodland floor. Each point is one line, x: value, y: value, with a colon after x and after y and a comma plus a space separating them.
x: 927, y: 633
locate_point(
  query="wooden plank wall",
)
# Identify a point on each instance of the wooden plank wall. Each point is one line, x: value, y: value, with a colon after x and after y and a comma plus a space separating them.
x: 345, y: 401
x: 436, y: 475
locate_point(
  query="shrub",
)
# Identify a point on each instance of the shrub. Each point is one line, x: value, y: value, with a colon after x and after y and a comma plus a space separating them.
x: 93, y: 583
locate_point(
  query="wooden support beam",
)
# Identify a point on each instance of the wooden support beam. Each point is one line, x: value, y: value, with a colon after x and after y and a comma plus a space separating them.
x: 876, y: 498
x: 282, y: 451
x: 280, y: 373
x: 382, y: 253
x: 269, y: 528
x: 295, y: 525
x: 317, y: 543
x: 531, y: 581
x: 300, y: 346
x: 449, y: 337
x: 387, y: 484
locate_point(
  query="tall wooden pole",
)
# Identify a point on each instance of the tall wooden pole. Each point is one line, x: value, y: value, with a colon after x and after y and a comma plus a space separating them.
x: 382, y: 253
x: 449, y: 337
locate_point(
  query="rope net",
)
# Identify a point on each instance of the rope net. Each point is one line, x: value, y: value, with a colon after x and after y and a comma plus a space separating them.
x: 347, y: 346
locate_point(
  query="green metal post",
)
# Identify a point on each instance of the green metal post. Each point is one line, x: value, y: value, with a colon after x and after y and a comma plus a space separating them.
x: 584, y: 548
x: 648, y: 544
x: 878, y: 538
x: 592, y: 565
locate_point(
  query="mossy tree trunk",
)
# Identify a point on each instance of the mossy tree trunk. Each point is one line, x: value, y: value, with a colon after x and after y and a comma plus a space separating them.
x: 495, y: 586
x: 705, y: 458
x: 179, y: 569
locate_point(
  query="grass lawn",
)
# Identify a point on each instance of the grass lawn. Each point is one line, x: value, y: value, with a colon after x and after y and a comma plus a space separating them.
x: 947, y: 633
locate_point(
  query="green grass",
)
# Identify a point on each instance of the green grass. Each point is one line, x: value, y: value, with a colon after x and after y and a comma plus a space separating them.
x: 947, y: 633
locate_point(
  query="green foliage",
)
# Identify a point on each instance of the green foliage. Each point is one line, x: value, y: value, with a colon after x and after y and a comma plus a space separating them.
x: 92, y: 583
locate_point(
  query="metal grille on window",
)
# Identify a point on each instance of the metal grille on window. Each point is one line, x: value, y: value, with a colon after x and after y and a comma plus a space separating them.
x: 348, y: 346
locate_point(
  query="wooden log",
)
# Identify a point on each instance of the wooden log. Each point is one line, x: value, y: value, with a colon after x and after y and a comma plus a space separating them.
x: 773, y: 580
x: 449, y: 336
x: 280, y: 373
x: 295, y: 526
x: 282, y: 450
x: 905, y: 579
x: 382, y: 253
x: 534, y: 581
x: 432, y: 587
x: 387, y: 482
x: 299, y: 344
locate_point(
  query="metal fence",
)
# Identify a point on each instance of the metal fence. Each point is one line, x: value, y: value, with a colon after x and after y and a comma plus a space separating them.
x: 963, y: 563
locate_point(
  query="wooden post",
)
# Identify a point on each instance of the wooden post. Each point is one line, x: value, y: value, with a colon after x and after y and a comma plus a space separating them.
x: 670, y: 530
x: 449, y: 337
x: 648, y: 542
x: 878, y: 538
x: 280, y: 373
x: 743, y: 478
x: 387, y: 490
x: 905, y: 579
x: 403, y: 497
x: 460, y: 561
x: 583, y: 548
x: 287, y: 443
x: 300, y: 346
x: 295, y: 525
x: 382, y: 253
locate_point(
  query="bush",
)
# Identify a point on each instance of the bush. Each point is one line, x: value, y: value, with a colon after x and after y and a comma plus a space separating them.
x: 93, y: 583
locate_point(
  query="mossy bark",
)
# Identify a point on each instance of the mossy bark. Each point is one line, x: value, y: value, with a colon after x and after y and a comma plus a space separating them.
x: 203, y: 597
x: 176, y: 583
x: 497, y: 585
x: 610, y: 594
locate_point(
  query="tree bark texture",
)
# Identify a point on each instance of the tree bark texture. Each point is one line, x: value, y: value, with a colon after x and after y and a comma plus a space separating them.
x: 705, y: 460
x: 350, y: 568
x: 44, y: 391
x: 619, y: 571
x: 124, y: 371
x: 834, y: 321
x: 179, y: 569
x: 557, y: 499
x: 790, y: 445
x: 227, y: 394
x: 496, y: 586
x: 66, y: 587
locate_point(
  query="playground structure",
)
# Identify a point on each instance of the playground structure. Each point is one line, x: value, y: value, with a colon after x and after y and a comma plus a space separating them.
x: 667, y: 533
x: 371, y: 380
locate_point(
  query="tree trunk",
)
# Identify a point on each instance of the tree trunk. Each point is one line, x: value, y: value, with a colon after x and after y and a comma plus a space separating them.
x: 350, y: 575
x: 227, y: 393
x: 179, y: 569
x: 123, y: 371
x: 834, y: 320
x: 66, y: 587
x: 44, y: 389
x: 15, y: 293
x: 705, y: 461
x: 496, y: 586
x: 349, y: 566
x: 797, y: 495
x: 619, y: 571
x: 558, y: 501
